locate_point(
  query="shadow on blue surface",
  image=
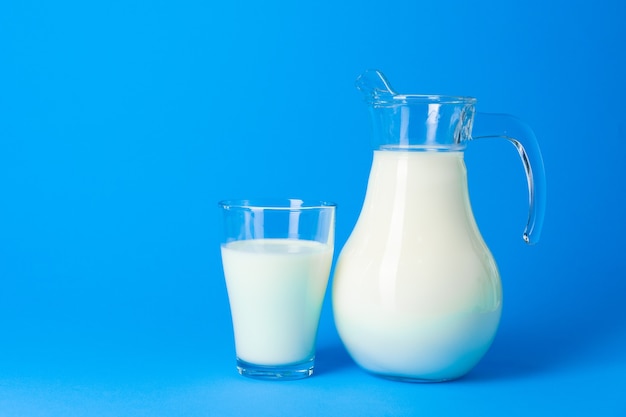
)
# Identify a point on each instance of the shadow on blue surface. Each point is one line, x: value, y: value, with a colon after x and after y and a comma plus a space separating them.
x: 569, y: 337
x: 332, y: 359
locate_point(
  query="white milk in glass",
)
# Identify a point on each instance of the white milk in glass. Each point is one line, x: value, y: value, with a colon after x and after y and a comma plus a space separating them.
x: 276, y: 288
x: 416, y: 292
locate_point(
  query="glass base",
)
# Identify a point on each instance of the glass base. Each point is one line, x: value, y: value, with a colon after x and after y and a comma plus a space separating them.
x: 276, y: 372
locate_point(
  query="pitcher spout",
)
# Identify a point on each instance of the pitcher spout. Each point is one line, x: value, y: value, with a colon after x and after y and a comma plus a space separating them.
x: 373, y: 84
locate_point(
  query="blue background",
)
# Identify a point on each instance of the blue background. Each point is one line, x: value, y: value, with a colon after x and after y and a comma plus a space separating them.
x: 122, y: 123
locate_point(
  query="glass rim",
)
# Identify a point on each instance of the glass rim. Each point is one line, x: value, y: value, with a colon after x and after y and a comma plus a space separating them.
x: 291, y: 204
x: 423, y: 99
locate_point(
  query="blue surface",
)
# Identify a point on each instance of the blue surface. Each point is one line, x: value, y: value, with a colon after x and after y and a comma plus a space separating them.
x: 122, y: 123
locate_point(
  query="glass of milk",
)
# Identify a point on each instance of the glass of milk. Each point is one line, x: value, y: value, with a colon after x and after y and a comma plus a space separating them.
x: 277, y: 256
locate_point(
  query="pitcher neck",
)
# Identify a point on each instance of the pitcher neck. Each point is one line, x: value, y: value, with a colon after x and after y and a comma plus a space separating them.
x: 415, y: 121
x: 422, y: 123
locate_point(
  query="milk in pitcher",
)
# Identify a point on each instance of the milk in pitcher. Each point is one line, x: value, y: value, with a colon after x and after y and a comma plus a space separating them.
x: 419, y: 295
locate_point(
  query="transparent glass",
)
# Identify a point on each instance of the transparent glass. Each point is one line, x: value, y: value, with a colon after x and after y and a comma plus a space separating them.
x: 276, y: 257
x: 416, y: 292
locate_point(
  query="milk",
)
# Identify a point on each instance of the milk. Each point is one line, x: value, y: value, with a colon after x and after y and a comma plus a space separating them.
x: 416, y: 292
x: 276, y: 288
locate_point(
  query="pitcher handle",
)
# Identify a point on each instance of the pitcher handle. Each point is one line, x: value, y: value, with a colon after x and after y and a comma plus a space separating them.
x: 490, y: 125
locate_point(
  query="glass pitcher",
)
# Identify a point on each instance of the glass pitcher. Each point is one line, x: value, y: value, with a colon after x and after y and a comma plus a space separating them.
x: 416, y: 293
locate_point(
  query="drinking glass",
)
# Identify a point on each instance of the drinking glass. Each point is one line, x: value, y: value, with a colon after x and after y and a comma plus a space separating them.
x: 276, y: 256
